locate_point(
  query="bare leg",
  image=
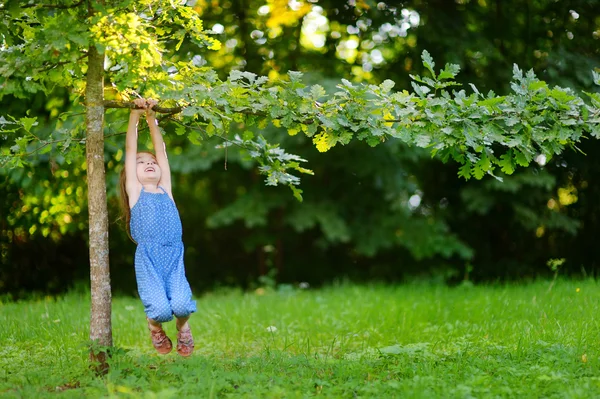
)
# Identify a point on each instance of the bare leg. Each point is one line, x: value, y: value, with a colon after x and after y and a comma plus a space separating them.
x: 154, y: 325
x: 182, y: 323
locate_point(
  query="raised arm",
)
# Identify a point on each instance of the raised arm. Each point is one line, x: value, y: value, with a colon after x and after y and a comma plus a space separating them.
x: 132, y: 184
x: 159, y: 148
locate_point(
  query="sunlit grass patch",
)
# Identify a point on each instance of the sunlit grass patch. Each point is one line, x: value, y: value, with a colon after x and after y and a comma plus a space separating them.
x: 415, y: 340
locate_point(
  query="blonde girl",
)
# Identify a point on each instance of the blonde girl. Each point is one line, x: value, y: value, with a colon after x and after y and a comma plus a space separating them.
x: 154, y: 224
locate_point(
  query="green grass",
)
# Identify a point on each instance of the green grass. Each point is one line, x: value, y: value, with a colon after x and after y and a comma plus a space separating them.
x: 409, y: 341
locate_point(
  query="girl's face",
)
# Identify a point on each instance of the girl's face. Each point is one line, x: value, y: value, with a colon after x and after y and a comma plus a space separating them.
x: 148, y: 170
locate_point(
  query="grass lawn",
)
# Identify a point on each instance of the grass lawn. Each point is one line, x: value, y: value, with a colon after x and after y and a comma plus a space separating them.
x: 346, y: 341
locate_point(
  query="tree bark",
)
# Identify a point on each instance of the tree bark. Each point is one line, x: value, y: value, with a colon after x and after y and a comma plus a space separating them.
x: 100, y: 321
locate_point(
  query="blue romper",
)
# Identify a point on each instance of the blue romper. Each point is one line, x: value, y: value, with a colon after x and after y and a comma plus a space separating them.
x: 160, y: 274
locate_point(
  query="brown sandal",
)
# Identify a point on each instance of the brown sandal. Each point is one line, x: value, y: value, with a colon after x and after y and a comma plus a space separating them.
x: 185, y: 342
x: 161, y: 342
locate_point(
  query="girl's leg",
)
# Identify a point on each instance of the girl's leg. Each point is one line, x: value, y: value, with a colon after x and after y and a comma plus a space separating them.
x: 154, y: 325
x: 180, y: 299
x: 178, y: 288
x: 151, y: 287
x: 182, y: 323
x: 185, y: 340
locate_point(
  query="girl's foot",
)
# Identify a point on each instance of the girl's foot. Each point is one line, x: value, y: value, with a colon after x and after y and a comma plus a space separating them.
x: 161, y: 342
x: 185, y: 342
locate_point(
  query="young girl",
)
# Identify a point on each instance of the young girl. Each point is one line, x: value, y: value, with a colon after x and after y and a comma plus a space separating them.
x: 154, y: 224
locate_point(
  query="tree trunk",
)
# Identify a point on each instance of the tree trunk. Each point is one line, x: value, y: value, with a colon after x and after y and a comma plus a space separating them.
x: 100, y: 323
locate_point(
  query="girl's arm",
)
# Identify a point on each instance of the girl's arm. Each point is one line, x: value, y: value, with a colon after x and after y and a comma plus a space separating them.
x: 132, y: 184
x: 160, y: 149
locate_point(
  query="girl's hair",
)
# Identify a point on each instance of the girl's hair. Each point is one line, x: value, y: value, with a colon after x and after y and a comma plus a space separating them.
x: 124, y: 202
x: 124, y: 198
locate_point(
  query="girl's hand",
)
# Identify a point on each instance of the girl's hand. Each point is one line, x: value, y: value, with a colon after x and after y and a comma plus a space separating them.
x: 150, y: 113
x: 141, y: 109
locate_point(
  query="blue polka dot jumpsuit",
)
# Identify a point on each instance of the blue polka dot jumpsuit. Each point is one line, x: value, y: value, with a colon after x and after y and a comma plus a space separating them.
x: 162, y: 285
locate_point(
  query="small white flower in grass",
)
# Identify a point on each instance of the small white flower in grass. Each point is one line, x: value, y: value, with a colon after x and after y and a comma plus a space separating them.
x: 304, y: 285
x: 271, y: 329
x: 129, y: 307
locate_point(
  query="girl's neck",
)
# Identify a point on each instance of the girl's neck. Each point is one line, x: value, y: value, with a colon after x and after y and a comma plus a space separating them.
x: 151, y: 188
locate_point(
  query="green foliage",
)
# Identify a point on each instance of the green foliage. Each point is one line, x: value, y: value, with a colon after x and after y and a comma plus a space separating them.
x: 333, y: 342
x: 480, y: 132
x: 473, y: 129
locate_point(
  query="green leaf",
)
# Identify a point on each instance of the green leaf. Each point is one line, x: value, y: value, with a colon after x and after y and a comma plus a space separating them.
x: 45, y: 148
x: 521, y: 158
x: 465, y: 170
x: 478, y: 171
x: 387, y: 85
x: 420, y: 90
x: 178, y: 45
x: 561, y: 95
x: 311, y: 129
x: 247, y: 135
x: 506, y: 163
x: 585, y: 114
x: 449, y: 72
x: 20, y: 145
x: 345, y: 137
x: 537, y: 85
x: 428, y: 62
x: 210, y: 129
x: 475, y: 90
x: 481, y: 167
x: 517, y: 72
x: 422, y: 140
x: 295, y: 76
x: 317, y: 91
x: 492, y: 103
x: 194, y: 137
x: 28, y: 123
x: 297, y: 192
x: 180, y: 130
x: 511, y: 121
x: 347, y: 83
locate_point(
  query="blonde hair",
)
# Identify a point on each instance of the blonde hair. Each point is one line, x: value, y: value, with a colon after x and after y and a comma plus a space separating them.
x: 124, y: 197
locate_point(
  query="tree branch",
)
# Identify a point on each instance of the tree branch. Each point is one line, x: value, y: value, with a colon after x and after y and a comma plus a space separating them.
x: 40, y: 147
x: 47, y: 67
x: 176, y: 110
x: 205, y: 134
x: 161, y: 110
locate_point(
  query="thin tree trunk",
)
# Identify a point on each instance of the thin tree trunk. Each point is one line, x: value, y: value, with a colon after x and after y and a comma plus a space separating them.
x: 100, y: 322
